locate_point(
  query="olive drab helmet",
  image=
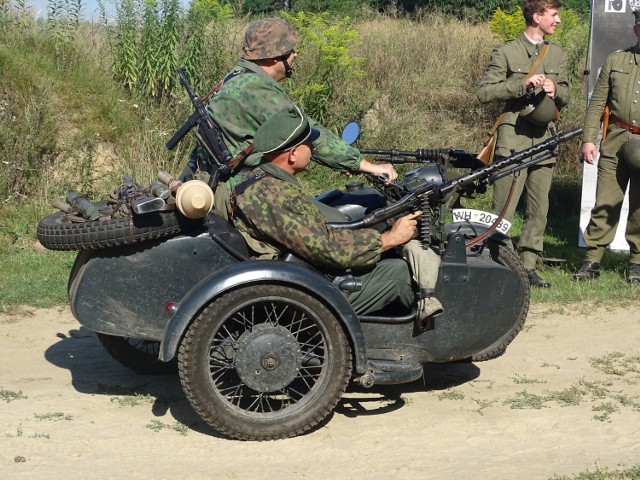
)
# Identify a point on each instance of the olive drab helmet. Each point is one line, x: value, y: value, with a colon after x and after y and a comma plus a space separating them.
x: 631, y: 153
x: 539, y: 109
x: 268, y: 38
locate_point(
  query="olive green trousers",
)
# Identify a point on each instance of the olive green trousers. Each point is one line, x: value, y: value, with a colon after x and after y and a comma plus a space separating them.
x: 389, y: 282
x: 613, y: 177
x: 535, y: 181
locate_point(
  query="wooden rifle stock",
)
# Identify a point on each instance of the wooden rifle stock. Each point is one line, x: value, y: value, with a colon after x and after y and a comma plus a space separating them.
x: 486, y: 154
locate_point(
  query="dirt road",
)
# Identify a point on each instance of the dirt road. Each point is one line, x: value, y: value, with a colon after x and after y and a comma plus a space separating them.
x: 563, y: 399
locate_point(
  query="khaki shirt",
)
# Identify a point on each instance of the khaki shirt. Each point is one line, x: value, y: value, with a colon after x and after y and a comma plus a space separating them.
x: 618, y: 85
x: 504, y: 80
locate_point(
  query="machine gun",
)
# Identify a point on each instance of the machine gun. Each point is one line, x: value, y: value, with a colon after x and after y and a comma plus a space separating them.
x: 208, y: 135
x: 426, y: 188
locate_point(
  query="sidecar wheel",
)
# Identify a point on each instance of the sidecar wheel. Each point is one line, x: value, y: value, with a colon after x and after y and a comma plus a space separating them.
x: 58, y: 232
x: 264, y: 362
x: 139, y: 355
x: 509, y: 259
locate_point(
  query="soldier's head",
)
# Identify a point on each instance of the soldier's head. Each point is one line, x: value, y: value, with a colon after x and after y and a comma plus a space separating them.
x: 631, y: 153
x: 636, y: 24
x: 271, y: 42
x: 286, y: 139
x: 542, y: 13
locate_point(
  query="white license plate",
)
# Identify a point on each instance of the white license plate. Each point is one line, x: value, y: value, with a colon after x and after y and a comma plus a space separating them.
x: 478, y: 216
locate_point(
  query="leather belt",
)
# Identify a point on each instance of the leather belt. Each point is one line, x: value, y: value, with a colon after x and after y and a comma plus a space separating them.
x: 635, y: 129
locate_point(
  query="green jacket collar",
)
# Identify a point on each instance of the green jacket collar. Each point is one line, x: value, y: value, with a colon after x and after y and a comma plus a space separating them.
x: 530, y: 47
x: 249, y: 65
x: 279, y: 173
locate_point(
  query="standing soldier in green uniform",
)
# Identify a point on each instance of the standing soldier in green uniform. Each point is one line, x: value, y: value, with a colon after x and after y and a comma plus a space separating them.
x: 275, y: 216
x: 530, y: 100
x: 251, y: 93
x: 618, y: 88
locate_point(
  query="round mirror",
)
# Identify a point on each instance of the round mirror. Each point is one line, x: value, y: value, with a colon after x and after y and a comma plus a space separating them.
x: 351, y: 132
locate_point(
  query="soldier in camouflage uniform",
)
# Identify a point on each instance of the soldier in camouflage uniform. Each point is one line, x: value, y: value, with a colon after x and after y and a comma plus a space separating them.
x: 275, y: 216
x: 251, y: 93
x: 618, y: 86
x: 505, y: 79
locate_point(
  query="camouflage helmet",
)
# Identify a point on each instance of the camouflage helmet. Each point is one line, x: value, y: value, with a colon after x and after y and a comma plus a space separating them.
x: 268, y: 38
x: 631, y: 153
x: 540, y: 109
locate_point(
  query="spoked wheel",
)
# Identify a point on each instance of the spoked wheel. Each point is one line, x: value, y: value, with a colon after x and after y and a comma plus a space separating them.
x: 139, y: 355
x: 507, y: 257
x: 264, y: 362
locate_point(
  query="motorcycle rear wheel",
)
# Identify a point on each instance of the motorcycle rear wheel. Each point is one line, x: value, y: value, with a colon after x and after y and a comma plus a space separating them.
x: 58, y: 232
x: 508, y: 258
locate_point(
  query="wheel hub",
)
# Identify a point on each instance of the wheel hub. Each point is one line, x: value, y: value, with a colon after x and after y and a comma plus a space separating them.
x: 268, y: 358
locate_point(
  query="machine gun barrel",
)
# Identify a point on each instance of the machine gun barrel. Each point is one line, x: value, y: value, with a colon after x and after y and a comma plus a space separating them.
x: 518, y: 157
x: 397, y: 156
x: 413, y: 199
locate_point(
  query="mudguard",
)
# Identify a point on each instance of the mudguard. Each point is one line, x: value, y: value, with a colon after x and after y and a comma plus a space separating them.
x: 471, y: 230
x: 255, y: 272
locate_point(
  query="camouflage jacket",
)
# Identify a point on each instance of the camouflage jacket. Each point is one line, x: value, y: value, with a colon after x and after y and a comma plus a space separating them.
x: 290, y: 222
x: 246, y: 101
x: 503, y: 80
x: 619, y: 86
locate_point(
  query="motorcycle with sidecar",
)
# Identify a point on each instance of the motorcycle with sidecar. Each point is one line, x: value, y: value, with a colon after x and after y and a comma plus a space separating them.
x: 265, y: 349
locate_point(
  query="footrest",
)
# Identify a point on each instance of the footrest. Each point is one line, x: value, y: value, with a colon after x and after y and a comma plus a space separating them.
x: 389, y: 372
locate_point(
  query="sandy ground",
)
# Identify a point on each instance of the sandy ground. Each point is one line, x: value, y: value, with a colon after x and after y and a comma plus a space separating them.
x: 67, y: 411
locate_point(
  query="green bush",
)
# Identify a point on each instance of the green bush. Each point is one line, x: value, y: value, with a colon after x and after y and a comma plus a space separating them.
x: 329, y: 82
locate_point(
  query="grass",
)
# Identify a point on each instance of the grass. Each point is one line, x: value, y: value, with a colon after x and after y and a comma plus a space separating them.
x: 9, y: 395
x: 631, y: 473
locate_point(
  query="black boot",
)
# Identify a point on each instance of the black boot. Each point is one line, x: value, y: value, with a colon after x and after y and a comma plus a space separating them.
x: 535, y: 280
x: 588, y: 271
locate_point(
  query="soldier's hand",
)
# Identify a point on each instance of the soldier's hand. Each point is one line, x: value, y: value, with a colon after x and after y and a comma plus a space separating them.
x: 535, y: 81
x: 403, y: 230
x: 589, y: 152
x: 549, y: 86
x: 379, y: 169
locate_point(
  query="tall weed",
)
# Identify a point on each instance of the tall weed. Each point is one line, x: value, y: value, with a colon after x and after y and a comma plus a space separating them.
x: 329, y: 82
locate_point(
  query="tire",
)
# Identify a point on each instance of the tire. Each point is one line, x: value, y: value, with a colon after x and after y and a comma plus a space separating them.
x: 139, y: 355
x: 264, y: 362
x: 58, y: 232
x: 507, y: 257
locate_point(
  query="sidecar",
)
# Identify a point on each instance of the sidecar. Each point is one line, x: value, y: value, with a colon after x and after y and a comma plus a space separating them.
x: 265, y: 349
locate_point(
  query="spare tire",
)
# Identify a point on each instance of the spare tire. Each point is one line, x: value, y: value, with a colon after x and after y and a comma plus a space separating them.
x: 60, y: 231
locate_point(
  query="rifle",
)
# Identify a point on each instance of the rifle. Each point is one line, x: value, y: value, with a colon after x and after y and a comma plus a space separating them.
x: 418, y: 191
x: 208, y: 134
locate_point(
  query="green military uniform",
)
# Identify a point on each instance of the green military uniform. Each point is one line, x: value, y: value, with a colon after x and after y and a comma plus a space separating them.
x: 247, y: 99
x: 504, y: 80
x: 291, y: 222
x: 618, y: 86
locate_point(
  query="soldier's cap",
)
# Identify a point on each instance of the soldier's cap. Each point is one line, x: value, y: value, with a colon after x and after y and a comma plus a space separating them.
x: 286, y: 129
x: 636, y: 14
x: 268, y: 38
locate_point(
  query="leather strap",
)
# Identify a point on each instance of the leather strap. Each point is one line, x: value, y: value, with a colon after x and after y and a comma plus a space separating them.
x: 635, y: 129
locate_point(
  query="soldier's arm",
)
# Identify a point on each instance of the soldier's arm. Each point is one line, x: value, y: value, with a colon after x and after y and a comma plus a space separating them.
x: 283, y: 214
x: 562, y: 81
x: 331, y: 151
x: 495, y: 85
x: 597, y: 103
